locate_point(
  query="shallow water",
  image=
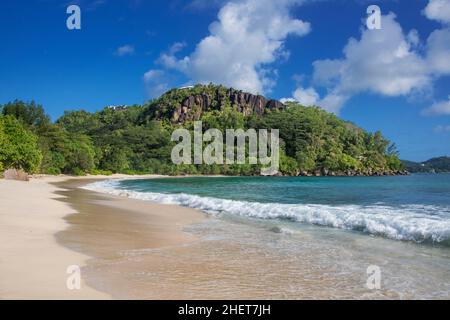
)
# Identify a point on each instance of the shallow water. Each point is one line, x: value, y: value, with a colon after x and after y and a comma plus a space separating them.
x: 413, y: 208
x: 278, y: 238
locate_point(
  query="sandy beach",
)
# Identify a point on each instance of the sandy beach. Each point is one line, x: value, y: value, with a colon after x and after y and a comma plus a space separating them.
x: 34, y: 220
x: 32, y: 264
x: 133, y: 249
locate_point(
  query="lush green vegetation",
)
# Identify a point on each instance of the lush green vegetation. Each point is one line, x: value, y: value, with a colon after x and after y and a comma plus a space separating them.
x: 137, y: 140
x: 18, y: 146
x: 317, y: 141
x: 440, y: 164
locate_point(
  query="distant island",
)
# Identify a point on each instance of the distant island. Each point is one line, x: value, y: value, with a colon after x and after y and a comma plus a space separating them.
x: 137, y: 139
x: 434, y: 165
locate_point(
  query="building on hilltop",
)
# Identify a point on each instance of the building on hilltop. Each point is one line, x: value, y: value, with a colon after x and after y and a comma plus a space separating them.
x: 117, y: 108
x: 186, y: 87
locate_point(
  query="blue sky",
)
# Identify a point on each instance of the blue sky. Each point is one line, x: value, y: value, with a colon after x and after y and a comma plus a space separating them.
x: 396, y: 79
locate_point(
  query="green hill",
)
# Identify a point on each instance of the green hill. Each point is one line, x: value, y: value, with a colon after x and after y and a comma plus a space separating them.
x: 435, y: 165
x: 136, y: 139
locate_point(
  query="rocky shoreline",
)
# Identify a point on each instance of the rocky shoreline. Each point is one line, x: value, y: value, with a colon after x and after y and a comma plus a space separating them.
x: 352, y: 173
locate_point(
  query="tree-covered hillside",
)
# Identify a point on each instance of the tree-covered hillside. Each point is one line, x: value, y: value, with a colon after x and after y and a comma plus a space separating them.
x: 137, y: 139
x: 439, y: 164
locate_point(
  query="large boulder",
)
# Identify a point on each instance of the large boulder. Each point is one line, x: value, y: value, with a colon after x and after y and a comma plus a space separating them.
x: 14, y: 174
x: 192, y: 107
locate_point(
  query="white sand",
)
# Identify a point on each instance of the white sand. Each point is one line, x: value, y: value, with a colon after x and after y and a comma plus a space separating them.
x: 32, y: 264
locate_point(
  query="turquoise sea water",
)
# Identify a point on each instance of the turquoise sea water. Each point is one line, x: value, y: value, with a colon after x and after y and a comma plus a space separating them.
x: 414, y: 208
x: 294, y: 237
x: 391, y: 190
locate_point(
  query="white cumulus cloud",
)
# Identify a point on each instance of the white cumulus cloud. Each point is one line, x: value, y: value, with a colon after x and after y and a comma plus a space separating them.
x: 306, y: 96
x: 247, y: 37
x: 438, y: 51
x: 438, y: 108
x: 382, y: 61
x: 438, y: 10
x: 156, y: 83
x: 388, y: 62
x: 125, y: 50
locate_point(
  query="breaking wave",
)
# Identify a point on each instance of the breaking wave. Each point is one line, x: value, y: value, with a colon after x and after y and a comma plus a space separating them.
x: 420, y: 223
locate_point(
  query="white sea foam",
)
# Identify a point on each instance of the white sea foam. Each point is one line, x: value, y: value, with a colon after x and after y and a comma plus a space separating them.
x: 409, y: 222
